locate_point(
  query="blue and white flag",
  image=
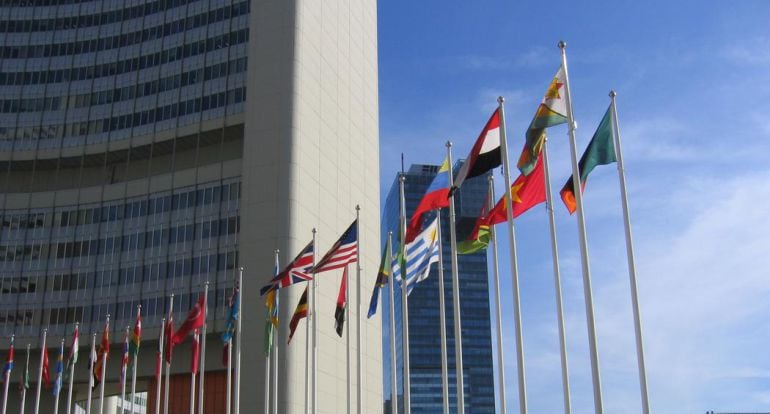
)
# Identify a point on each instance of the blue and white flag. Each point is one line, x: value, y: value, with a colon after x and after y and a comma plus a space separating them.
x: 420, y: 254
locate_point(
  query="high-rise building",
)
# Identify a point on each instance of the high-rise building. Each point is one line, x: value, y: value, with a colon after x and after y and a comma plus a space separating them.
x: 424, y: 326
x: 150, y: 146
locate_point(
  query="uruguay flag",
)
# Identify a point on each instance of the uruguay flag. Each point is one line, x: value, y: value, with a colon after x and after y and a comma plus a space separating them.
x: 436, y: 197
x: 420, y: 254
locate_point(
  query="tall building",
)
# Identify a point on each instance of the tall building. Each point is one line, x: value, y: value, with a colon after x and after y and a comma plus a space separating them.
x: 424, y: 326
x: 150, y: 146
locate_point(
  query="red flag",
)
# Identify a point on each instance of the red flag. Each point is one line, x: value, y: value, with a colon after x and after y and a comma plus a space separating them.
x: 46, y: 371
x: 104, y: 352
x: 196, y: 352
x: 339, y: 312
x: 168, y: 333
x: 527, y: 191
x: 195, y: 319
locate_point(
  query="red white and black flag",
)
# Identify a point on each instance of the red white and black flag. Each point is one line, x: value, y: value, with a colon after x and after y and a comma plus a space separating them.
x: 342, y: 303
x: 485, y: 155
x: 343, y: 252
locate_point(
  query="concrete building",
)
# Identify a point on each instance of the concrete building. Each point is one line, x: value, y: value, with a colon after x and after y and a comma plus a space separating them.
x: 424, y: 326
x: 149, y: 147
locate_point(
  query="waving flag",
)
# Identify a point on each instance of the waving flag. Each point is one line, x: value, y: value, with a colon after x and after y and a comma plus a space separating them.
x: 299, y: 313
x: 435, y: 197
x: 231, y: 321
x: 93, y: 357
x: 551, y: 111
x: 343, y: 252
x: 124, y: 360
x: 196, y: 317
x: 479, y: 237
x: 271, y: 316
x: 420, y: 254
x: 382, y: 278
x: 46, y: 371
x: 136, y: 335
x: 297, y: 271
x: 8, y: 367
x: 103, y: 354
x: 195, y: 352
x: 24, y: 383
x: 72, y: 358
x: 485, y: 155
x: 342, y: 303
x: 59, y: 370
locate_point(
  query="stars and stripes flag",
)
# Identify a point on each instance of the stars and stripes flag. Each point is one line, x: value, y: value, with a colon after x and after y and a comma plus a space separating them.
x: 420, y: 254
x: 343, y: 252
x: 297, y: 271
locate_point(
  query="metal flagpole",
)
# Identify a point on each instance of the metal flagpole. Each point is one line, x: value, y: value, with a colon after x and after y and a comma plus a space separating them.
x: 229, y: 389
x: 587, y: 291
x: 202, y: 366
x: 237, y: 393
x: 442, y: 318
x: 92, y: 364
x: 521, y: 371
x: 404, y: 301
x: 40, y: 373
x: 157, y: 382
x: 631, y: 260
x: 392, y: 312
x: 168, y: 363
x: 136, y: 359
x: 24, y: 381
x: 192, y: 381
x: 360, y: 394
x: 7, y: 380
x: 314, y: 379
x: 58, y: 382
x: 498, y: 313
x: 268, y: 356
x: 308, y: 345
x: 456, y: 293
x: 557, y: 283
x: 72, y: 376
x: 123, y: 385
x: 347, y: 341
x: 104, y: 373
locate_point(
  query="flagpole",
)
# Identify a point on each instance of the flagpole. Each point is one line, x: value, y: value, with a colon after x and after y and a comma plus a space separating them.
x: 157, y: 380
x: 136, y: 360
x: 456, y: 293
x: 72, y: 377
x: 392, y: 312
x: 7, y: 380
x: 587, y: 291
x: 557, y: 282
x: 229, y: 390
x: 274, y: 364
x: 631, y: 260
x: 268, y: 356
x: 498, y: 313
x: 192, y: 381
x: 404, y: 301
x: 202, y: 342
x: 58, y: 382
x: 360, y: 396
x: 237, y: 393
x: 25, y: 382
x: 347, y: 342
x: 308, y: 346
x: 92, y: 364
x: 314, y: 388
x: 168, y: 363
x: 123, y: 385
x: 442, y: 318
x: 40, y: 372
x: 104, y: 372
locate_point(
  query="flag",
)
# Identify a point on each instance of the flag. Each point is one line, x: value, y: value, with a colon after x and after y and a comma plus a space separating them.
x: 72, y: 358
x: 297, y: 271
x: 136, y: 335
x: 342, y: 303
x: 435, y: 197
x: 159, y: 357
x: 343, y: 252
x: 24, y: 383
x: 104, y: 353
x: 8, y: 367
x: 420, y: 254
x: 485, y: 154
x: 196, y: 318
x: 231, y: 321
x: 382, y: 278
x: 271, y: 315
x: 124, y: 360
x: 46, y: 372
x: 526, y: 192
x: 551, y: 111
x: 59, y: 370
x: 299, y: 313
x: 168, y: 334
x: 92, y: 367
x: 600, y: 151
x: 195, y: 352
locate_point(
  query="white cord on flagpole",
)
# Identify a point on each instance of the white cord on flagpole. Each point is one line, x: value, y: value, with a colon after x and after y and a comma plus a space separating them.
x: 460, y: 390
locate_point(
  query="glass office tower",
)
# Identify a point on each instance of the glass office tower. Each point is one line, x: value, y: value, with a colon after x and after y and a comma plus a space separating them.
x: 424, y: 334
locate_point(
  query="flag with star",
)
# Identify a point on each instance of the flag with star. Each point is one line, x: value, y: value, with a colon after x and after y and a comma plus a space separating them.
x: 526, y: 192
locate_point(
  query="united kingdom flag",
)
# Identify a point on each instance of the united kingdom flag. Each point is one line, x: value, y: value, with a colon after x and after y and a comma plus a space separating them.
x: 297, y: 271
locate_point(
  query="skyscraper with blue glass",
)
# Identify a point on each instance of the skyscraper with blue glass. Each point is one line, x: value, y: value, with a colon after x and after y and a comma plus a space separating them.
x: 424, y: 334
x: 150, y: 146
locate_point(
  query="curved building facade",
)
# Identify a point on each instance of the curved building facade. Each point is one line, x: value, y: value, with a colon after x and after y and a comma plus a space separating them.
x: 148, y: 147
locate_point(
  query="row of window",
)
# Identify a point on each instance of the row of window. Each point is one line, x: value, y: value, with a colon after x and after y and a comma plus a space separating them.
x: 75, y: 129
x: 125, y: 93
x: 127, y: 65
x: 73, y: 22
x: 126, y: 243
x: 133, y: 209
x: 126, y: 39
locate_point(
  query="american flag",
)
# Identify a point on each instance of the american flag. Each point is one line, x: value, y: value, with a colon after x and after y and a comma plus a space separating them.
x: 344, y: 251
x: 297, y: 271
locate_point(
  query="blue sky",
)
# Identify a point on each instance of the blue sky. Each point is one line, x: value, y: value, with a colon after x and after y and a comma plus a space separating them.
x: 693, y: 92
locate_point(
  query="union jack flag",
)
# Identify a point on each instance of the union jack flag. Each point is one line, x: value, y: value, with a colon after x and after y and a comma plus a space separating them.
x: 297, y: 271
x: 343, y: 252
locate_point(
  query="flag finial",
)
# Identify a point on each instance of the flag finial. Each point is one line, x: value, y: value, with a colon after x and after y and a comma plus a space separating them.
x: 449, y: 144
x: 562, y: 44
x: 500, y: 100
x: 401, y: 177
x: 613, y: 93
x: 358, y: 207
